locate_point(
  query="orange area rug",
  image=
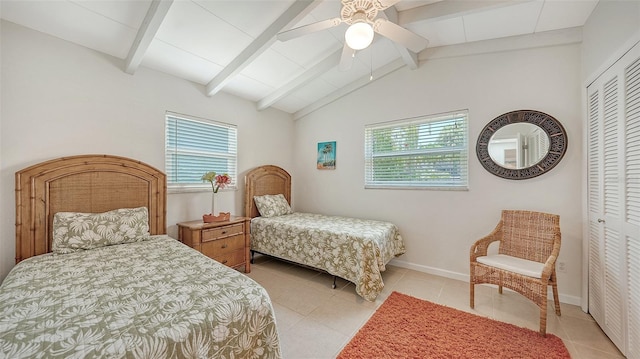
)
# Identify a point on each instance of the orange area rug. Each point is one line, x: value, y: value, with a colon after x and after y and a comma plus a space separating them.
x: 407, y: 327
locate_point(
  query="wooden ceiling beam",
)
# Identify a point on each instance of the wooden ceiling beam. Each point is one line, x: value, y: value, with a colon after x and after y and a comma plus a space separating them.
x: 320, y: 68
x: 298, y: 10
x: 343, y: 91
x: 147, y: 31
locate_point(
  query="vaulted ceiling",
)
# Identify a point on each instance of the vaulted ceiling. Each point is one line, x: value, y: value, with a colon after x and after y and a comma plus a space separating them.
x: 232, y: 46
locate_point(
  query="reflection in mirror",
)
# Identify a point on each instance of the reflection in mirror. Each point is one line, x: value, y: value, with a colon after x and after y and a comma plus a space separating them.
x: 518, y: 145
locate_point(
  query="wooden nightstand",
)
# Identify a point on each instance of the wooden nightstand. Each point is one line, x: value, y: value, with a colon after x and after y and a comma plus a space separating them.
x: 227, y: 242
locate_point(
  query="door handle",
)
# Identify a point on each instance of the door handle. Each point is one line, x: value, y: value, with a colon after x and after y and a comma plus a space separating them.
x: 600, y: 220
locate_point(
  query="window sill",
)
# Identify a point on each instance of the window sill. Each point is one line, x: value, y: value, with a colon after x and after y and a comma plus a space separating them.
x: 417, y: 188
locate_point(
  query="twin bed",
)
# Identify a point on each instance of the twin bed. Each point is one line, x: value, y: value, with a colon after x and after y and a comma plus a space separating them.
x: 114, y: 285
x: 350, y: 248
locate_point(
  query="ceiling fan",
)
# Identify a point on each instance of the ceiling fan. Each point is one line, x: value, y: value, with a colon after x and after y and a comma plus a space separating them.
x: 362, y: 18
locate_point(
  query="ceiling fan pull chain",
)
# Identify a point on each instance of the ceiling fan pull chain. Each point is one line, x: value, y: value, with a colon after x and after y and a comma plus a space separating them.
x: 371, y: 62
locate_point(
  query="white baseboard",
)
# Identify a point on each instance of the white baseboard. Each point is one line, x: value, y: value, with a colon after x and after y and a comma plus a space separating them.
x: 564, y: 298
x: 430, y: 270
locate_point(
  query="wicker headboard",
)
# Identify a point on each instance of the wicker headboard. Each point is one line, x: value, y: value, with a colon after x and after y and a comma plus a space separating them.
x: 263, y: 180
x: 86, y: 183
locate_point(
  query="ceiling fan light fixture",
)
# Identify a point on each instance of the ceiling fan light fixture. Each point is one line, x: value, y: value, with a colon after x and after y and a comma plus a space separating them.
x: 359, y: 35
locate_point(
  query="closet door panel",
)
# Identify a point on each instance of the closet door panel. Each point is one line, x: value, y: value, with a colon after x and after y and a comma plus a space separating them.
x: 613, y: 280
x: 632, y: 202
x: 595, y: 239
x: 614, y: 269
x: 611, y: 152
x: 633, y: 335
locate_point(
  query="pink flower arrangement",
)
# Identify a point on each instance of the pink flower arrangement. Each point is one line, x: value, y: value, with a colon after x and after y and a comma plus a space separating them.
x: 217, y: 181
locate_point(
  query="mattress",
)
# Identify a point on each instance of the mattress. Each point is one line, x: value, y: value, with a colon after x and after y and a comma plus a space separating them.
x: 354, y: 249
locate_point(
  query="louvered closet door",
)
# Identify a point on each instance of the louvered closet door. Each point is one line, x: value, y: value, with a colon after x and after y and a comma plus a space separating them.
x: 614, y: 202
x: 606, y: 301
x: 632, y: 201
x: 596, y: 239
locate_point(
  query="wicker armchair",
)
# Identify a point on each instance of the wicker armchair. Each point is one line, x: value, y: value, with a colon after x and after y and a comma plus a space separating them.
x: 529, y: 244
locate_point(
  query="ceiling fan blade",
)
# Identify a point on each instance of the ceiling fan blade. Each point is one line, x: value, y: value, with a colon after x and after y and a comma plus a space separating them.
x: 383, y: 4
x: 346, y: 60
x: 399, y: 34
x: 308, y: 29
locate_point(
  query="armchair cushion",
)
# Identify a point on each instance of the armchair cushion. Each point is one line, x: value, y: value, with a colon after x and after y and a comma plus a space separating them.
x: 513, y: 264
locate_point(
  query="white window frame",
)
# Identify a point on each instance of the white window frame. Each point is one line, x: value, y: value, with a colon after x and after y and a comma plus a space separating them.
x: 174, y: 150
x: 461, y: 150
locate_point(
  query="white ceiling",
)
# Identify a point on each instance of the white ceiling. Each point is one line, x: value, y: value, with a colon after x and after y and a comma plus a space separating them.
x: 230, y: 45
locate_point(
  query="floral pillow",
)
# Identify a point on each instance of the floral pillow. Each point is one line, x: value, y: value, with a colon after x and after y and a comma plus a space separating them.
x: 74, y: 231
x: 272, y: 205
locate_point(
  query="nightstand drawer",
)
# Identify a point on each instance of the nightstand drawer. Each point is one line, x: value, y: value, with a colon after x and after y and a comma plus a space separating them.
x: 227, y: 242
x: 223, y: 246
x: 226, y: 231
x: 231, y: 259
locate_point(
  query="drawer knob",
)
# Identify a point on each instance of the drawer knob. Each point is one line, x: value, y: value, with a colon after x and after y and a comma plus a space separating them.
x: 224, y: 246
x: 224, y: 261
x: 224, y: 232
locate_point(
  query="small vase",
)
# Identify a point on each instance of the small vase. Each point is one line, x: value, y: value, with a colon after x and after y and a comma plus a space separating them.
x: 213, y: 203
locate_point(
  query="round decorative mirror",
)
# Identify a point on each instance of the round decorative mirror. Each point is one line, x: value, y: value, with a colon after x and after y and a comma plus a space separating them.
x: 521, y: 144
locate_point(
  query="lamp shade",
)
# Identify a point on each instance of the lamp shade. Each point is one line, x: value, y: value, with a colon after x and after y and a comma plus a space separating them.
x: 359, y: 35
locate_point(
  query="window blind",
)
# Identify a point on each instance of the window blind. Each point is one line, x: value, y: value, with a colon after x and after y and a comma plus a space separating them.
x: 424, y: 152
x: 196, y: 146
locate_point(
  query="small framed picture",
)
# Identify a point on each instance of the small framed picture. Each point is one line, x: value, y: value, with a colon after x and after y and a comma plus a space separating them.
x: 326, y: 155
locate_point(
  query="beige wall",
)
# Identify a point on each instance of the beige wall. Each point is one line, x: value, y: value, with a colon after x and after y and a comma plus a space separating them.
x: 612, y: 28
x: 440, y: 226
x: 62, y: 99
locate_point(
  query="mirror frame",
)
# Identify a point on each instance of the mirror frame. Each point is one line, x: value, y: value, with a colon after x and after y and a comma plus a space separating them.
x: 552, y: 127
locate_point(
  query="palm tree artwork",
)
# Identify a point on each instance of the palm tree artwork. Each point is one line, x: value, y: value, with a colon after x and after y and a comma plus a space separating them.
x: 326, y: 155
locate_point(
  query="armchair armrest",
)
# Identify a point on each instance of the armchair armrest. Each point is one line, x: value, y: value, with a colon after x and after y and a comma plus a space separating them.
x: 480, y: 247
x: 550, y: 263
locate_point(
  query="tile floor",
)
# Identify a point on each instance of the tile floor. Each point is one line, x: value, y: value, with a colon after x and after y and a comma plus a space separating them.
x: 315, y: 321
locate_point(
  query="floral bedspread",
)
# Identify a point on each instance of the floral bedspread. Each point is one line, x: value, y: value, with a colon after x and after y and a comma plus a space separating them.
x: 354, y: 249
x: 151, y: 299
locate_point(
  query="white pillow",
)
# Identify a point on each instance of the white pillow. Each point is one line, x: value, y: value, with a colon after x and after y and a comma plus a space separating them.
x: 272, y: 205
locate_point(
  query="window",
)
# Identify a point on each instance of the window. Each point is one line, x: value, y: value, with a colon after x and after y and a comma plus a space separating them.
x: 195, y: 146
x: 425, y: 152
